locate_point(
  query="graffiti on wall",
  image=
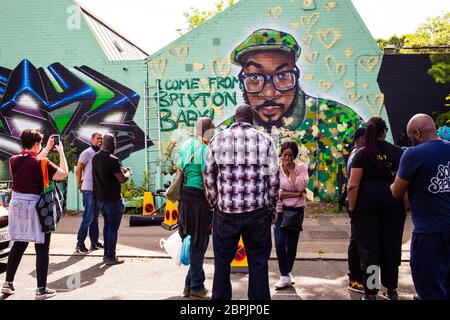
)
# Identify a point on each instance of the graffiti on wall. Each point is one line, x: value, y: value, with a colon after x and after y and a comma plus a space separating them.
x: 305, y: 75
x: 74, y: 102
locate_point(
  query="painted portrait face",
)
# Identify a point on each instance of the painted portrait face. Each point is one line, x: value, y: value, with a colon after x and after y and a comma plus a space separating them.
x: 270, y: 80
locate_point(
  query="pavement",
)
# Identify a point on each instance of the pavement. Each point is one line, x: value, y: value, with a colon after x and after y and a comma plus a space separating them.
x: 149, y: 273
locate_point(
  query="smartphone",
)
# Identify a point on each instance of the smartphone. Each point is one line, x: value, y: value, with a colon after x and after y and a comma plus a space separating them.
x: 56, y: 139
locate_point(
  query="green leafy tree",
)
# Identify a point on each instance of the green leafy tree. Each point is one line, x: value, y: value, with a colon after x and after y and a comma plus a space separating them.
x: 396, y: 41
x: 195, y: 17
x: 434, y: 32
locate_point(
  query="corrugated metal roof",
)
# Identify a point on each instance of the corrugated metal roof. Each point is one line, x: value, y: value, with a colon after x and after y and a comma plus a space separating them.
x: 115, y: 46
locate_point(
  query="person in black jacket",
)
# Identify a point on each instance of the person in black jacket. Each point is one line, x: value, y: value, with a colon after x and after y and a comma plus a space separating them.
x: 378, y: 217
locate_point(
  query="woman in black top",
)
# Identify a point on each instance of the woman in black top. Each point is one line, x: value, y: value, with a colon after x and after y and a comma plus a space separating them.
x: 379, y: 218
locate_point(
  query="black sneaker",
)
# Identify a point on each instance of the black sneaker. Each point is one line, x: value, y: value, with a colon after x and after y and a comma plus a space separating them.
x: 113, y: 261
x: 390, y: 295
x: 355, y: 286
x: 8, y: 288
x: 81, y: 248
x: 369, y: 297
x: 96, y: 246
x: 44, y: 293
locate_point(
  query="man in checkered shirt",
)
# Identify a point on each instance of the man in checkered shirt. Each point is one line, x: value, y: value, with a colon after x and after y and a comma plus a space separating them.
x: 242, y: 183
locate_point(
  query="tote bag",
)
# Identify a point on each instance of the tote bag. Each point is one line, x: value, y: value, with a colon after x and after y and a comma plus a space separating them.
x: 49, y: 205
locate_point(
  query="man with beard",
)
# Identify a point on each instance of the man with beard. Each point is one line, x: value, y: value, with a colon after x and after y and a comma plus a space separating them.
x: 85, y: 185
x: 424, y: 173
x: 270, y: 78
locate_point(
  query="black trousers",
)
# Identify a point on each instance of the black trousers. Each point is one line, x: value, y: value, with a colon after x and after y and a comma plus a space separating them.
x: 42, y: 260
x: 379, y: 221
x: 354, y: 262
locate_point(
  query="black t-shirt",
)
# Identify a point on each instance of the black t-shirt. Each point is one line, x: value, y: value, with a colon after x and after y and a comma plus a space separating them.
x: 379, y: 175
x: 106, y: 186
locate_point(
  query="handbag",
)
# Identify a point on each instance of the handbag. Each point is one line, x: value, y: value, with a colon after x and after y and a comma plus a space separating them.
x: 173, y: 193
x: 49, y: 205
x: 292, y: 219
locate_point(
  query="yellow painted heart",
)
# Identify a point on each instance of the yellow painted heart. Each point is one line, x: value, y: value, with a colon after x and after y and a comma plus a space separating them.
x: 221, y: 67
x: 330, y: 6
x: 309, y: 77
x: 275, y: 12
x: 198, y: 66
x: 294, y: 25
x: 369, y: 63
x: 288, y: 121
x: 348, y: 52
x: 158, y: 67
x: 307, y: 40
x: 311, y: 57
x: 179, y: 53
x: 325, y: 85
x: 375, y: 103
x: 342, y: 127
x: 204, y: 85
x: 335, y: 69
x: 308, y: 4
x: 353, y: 97
x: 349, y: 84
x: 326, y: 40
x: 308, y: 22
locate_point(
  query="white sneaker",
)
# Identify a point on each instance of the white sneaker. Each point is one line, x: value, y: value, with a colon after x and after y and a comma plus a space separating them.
x: 283, y: 283
x: 292, y: 278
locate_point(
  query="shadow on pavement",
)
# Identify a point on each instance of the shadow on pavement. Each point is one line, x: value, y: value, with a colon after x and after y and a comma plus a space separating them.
x: 80, y: 280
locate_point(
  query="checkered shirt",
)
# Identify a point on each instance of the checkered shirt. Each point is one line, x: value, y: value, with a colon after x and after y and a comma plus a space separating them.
x: 242, y: 172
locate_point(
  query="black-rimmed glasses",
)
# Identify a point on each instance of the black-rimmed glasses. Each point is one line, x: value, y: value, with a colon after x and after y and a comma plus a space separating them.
x: 282, y: 81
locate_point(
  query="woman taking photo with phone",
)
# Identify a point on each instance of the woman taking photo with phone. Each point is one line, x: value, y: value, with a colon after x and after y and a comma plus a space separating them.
x: 24, y: 223
x: 290, y: 209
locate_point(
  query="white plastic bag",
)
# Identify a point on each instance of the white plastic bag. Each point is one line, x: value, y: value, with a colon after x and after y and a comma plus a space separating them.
x: 173, y: 247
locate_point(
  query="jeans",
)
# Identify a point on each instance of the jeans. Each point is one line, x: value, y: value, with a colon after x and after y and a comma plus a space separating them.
x: 112, y: 213
x: 90, y: 219
x: 42, y: 259
x: 430, y: 265
x: 195, y: 278
x: 255, y: 228
x: 286, y: 242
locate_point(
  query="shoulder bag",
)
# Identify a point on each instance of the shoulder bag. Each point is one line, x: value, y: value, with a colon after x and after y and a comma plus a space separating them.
x: 173, y: 193
x: 49, y: 205
x: 292, y: 218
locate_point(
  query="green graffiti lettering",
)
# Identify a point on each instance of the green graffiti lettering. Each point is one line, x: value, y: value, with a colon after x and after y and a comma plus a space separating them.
x: 184, y: 84
x: 192, y: 117
x: 163, y: 102
x: 194, y: 83
x: 212, y: 82
x: 167, y: 124
x: 205, y: 97
x: 230, y: 98
x: 193, y: 100
x: 181, y: 118
x: 217, y: 99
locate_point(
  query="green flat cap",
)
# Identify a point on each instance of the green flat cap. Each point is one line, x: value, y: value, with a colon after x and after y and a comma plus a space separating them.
x: 266, y: 39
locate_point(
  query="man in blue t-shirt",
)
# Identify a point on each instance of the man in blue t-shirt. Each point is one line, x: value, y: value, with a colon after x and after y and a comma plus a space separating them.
x: 425, y: 173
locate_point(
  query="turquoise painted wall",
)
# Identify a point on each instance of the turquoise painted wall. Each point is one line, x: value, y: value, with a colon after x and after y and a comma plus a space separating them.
x: 339, y: 64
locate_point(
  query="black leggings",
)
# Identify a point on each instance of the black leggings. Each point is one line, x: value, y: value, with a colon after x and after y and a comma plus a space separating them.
x: 42, y: 258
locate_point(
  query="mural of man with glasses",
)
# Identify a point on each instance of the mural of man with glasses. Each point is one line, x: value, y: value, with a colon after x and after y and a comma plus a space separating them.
x: 270, y: 78
x: 321, y: 127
